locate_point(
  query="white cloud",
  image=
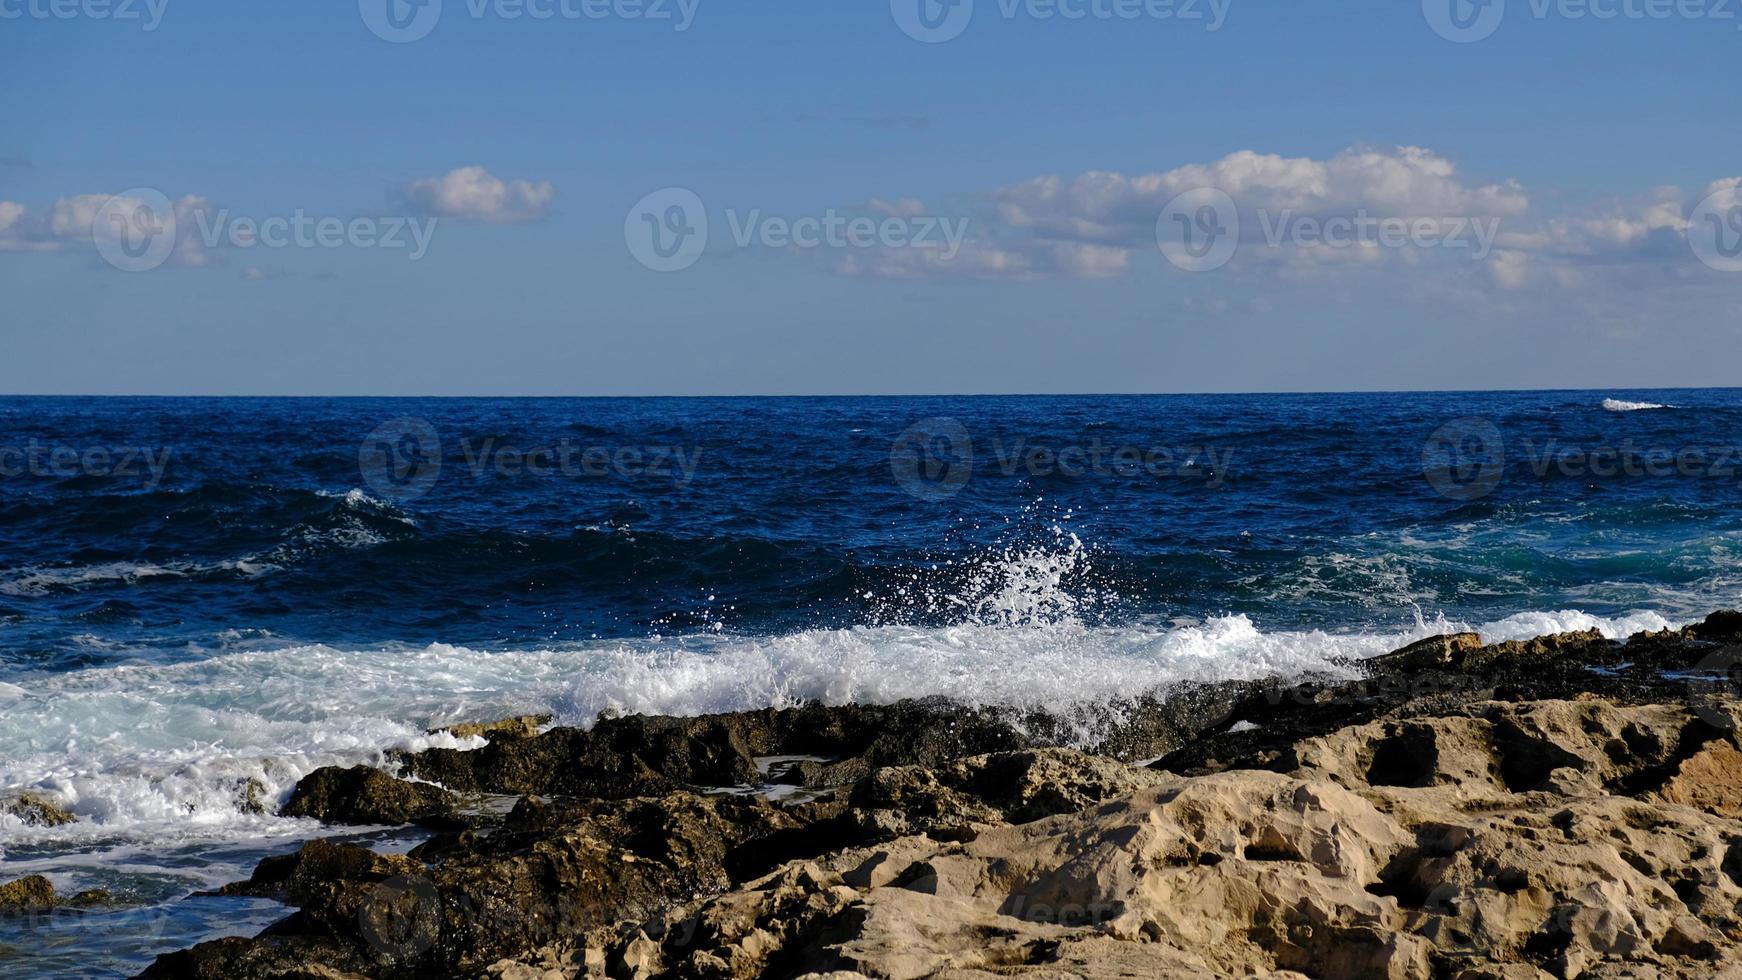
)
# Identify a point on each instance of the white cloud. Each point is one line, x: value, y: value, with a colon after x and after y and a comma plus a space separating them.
x: 1100, y: 224
x: 907, y: 207
x: 1090, y: 226
x: 474, y: 194
x: 1403, y: 182
x: 67, y: 224
x: 975, y: 260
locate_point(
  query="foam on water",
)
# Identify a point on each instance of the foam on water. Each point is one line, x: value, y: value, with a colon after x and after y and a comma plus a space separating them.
x: 1619, y: 405
x: 165, y: 752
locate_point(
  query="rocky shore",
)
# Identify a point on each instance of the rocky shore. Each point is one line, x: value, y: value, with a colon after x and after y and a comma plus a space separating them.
x: 1564, y: 807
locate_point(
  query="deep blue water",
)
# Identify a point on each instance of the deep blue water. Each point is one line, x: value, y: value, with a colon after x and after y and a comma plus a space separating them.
x: 772, y: 515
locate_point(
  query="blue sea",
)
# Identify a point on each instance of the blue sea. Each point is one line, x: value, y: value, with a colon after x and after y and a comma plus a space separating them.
x: 196, y: 593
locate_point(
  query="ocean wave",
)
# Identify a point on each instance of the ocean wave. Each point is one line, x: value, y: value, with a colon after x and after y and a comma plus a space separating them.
x: 43, y: 580
x: 1618, y: 405
x: 167, y: 751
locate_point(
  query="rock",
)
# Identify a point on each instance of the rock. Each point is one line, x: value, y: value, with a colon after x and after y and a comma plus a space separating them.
x: 1455, y: 810
x: 1719, y: 627
x: 1007, y: 787
x: 1523, y: 653
x: 1434, y: 651
x: 251, y: 797
x: 524, y: 726
x: 36, y: 810
x: 648, y: 756
x: 1449, y: 858
x: 1710, y: 779
x: 91, y: 897
x: 363, y: 795
x: 29, y: 894
x: 236, y: 958
x: 289, y: 876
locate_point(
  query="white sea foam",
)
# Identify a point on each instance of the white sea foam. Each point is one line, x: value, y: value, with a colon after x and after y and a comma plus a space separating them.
x: 38, y: 580
x: 164, y: 752
x: 1618, y: 405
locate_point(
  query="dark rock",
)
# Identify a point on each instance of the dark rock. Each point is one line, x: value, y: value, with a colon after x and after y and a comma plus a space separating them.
x: 651, y: 756
x: 1430, y: 653
x: 235, y: 958
x: 287, y: 876
x: 362, y: 795
x: 1005, y: 787
x: 1719, y: 627
x: 1560, y: 646
x: 444, y: 844
x: 91, y: 897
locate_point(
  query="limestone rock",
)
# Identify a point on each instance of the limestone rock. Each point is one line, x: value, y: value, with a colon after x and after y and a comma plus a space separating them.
x: 1711, y: 780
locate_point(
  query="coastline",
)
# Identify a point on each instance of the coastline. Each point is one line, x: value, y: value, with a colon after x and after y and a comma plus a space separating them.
x: 1459, y: 809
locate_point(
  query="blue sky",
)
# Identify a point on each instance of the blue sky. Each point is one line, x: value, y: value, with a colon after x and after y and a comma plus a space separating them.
x: 1587, y: 144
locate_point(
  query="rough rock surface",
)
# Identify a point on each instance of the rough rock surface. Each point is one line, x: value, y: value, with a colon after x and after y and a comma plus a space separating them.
x: 1565, y: 807
x: 29, y: 894
x: 363, y: 795
x: 523, y: 726
x: 36, y: 810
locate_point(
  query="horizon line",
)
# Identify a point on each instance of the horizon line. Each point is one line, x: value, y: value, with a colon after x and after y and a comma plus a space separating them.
x: 1011, y: 394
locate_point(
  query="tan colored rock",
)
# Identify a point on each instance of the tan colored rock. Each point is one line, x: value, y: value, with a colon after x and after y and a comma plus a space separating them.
x: 523, y: 726
x: 1434, y: 651
x: 36, y: 810
x: 1710, y: 780
x: 1493, y: 843
x: 28, y: 894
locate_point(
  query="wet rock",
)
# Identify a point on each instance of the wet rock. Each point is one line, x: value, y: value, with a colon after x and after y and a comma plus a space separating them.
x: 364, y: 795
x: 1586, y: 646
x: 36, y: 810
x: 1432, y: 652
x: 29, y: 894
x: 293, y: 877
x: 1559, y: 807
x: 252, y: 797
x: 1719, y: 627
x: 235, y: 958
x: 523, y: 726
x: 92, y: 897
x: 651, y: 756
